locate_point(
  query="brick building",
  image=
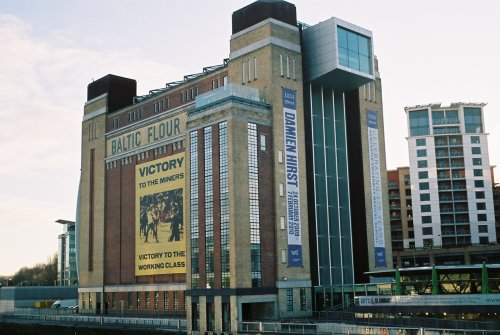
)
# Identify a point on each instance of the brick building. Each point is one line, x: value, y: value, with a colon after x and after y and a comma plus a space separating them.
x: 233, y: 193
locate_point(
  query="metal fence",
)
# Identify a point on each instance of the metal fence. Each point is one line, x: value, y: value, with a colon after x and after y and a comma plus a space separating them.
x: 342, y: 328
x: 98, y: 320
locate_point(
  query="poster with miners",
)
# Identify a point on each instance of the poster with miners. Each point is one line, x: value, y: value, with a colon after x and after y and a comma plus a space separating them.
x: 160, y: 244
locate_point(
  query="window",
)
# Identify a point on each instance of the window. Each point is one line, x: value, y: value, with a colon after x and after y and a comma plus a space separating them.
x: 428, y: 242
x: 408, y: 192
x: 249, y: 70
x: 479, y: 194
x: 423, y: 175
x: 425, y: 197
x: 213, y: 84
x: 176, y: 300
x: 148, y: 296
x: 156, y: 300
x: 254, y: 69
x: 420, y: 142
x: 243, y: 72
x: 294, y: 76
x: 478, y: 173
x: 426, y: 219
x: 130, y: 300
x: 263, y: 145
x: 422, y: 164
x: 427, y: 231
x: 419, y: 122
x: 472, y: 120
x: 477, y: 161
x: 475, y: 139
x: 281, y: 65
x: 476, y: 150
x: 481, y: 206
x: 354, y: 50
x: 289, y: 299
x: 479, y: 183
x: 165, y: 300
x: 287, y: 66
x: 481, y: 217
x: 425, y: 208
x: 116, y: 122
x: 138, y: 300
x: 113, y: 300
x: 421, y: 153
x: 303, y: 300
x: 423, y: 186
x: 482, y: 228
x: 282, y: 223
x: 483, y: 240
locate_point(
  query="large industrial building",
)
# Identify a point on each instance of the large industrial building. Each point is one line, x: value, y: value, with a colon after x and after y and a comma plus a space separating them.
x: 251, y: 190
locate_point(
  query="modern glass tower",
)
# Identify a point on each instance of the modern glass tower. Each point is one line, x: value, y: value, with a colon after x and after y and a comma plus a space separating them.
x: 345, y: 156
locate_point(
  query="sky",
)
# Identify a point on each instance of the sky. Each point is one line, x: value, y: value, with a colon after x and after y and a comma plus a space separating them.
x: 429, y: 52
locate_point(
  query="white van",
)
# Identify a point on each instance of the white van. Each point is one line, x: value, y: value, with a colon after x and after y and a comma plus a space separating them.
x: 65, y: 303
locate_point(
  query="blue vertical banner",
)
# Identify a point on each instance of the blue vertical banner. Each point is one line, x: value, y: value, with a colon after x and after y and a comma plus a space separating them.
x: 292, y: 178
x: 376, y: 188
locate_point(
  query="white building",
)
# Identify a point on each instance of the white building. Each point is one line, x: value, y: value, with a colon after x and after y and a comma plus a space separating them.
x: 451, y: 182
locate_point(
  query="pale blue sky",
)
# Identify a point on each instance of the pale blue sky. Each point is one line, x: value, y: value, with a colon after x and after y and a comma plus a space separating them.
x: 429, y: 51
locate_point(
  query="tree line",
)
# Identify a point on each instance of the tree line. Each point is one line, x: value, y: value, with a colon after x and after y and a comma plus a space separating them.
x: 43, y: 274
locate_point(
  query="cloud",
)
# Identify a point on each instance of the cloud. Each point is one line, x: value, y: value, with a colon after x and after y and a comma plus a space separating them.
x: 42, y: 93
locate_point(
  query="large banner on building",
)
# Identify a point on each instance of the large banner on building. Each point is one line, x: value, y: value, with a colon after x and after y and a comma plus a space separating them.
x: 292, y: 178
x: 376, y: 188
x: 160, y: 245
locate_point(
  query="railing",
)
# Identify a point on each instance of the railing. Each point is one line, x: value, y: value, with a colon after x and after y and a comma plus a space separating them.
x: 93, y: 320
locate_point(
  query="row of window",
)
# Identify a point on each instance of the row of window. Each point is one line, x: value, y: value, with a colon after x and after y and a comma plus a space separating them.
x: 138, y: 300
x: 420, y: 142
x: 289, y: 299
x: 189, y: 94
x: 369, y: 91
x: 419, y: 121
x: 287, y: 67
x: 249, y: 70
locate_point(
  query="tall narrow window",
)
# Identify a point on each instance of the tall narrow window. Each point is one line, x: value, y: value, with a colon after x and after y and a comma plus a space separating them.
x: 294, y: 76
x: 253, y: 187
x: 209, y: 210
x: 224, y: 204
x: 287, y: 66
x: 91, y: 211
x: 249, y: 70
x: 243, y: 72
x: 281, y: 65
x: 289, y: 299
x: 165, y: 300
x: 195, y: 248
x: 255, y: 68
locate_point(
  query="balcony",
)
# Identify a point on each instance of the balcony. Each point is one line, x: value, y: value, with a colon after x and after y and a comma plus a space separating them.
x: 444, y: 120
x: 394, y: 196
x: 393, y: 186
x: 395, y: 217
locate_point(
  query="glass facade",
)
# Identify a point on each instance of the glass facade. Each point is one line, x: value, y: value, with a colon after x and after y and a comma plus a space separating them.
x: 331, y: 184
x: 419, y: 123
x: 253, y: 187
x: 354, y: 50
x: 472, y: 120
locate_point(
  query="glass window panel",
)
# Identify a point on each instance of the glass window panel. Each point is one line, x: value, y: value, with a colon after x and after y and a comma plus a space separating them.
x: 422, y: 164
x: 476, y: 150
x: 363, y: 45
x: 352, y: 42
x: 353, y: 60
x: 342, y: 35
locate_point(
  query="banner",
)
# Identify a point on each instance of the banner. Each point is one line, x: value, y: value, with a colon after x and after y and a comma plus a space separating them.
x: 292, y: 178
x: 376, y: 188
x: 160, y: 245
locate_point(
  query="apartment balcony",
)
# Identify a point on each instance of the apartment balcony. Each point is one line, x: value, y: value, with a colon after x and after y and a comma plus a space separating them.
x: 395, y: 217
x: 393, y: 186
x: 445, y: 121
x: 394, y: 196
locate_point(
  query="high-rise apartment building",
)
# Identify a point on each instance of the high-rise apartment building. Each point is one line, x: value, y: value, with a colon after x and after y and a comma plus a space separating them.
x: 230, y: 195
x: 450, y: 175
